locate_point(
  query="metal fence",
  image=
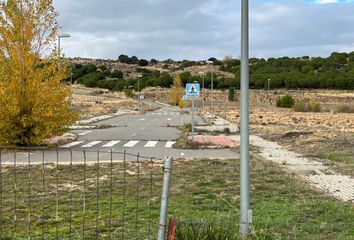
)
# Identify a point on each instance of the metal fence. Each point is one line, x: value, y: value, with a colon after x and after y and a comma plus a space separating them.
x: 75, y: 194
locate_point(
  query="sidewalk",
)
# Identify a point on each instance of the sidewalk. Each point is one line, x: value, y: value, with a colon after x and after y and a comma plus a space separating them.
x: 315, y: 172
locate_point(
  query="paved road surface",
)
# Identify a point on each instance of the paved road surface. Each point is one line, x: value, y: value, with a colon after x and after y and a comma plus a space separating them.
x: 151, y: 134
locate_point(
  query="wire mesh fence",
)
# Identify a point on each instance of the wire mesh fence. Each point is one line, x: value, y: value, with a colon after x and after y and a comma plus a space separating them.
x: 68, y: 194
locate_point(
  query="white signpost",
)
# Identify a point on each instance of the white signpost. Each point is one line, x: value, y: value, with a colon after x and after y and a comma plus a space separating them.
x: 192, y: 91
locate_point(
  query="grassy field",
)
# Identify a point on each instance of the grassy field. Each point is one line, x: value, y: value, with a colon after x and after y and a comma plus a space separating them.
x: 204, y: 200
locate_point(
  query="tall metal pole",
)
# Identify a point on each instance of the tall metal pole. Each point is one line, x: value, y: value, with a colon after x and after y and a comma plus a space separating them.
x: 203, y: 92
x: 268, y: 91
x: 58, y: 52
x: 140, y: 76
x: 138, y: 93
x: 246, y: 213
x: 212, y: 91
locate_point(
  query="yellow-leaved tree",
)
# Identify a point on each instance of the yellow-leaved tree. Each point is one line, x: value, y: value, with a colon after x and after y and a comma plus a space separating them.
x: 33, y: 99
x: 176, y: 92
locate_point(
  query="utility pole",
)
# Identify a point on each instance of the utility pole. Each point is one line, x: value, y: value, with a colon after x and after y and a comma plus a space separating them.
x: 268, y: 92
x: 212, y: 91
x: 140, y: 76
x: 212, y: 88
x: 246, y: 213
x: 201, y: 74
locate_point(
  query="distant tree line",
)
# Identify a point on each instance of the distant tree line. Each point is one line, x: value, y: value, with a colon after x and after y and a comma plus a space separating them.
x: 135, y: 60
x: 334, y: 72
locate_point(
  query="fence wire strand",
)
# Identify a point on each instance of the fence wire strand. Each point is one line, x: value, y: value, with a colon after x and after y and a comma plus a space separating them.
x: 71, y: 194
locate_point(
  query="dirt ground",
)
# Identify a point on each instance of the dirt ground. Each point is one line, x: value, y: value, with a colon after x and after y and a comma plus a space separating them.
x: 326, y: 135
x: 93, y: 102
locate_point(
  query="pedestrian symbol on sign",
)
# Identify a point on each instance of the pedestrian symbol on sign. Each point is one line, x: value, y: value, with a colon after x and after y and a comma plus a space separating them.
x: 193, y: 90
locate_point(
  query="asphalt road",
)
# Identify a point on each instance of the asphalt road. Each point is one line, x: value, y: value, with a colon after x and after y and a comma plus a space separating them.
x: 151, y: 135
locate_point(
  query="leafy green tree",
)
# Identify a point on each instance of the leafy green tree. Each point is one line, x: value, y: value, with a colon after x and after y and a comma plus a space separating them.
x: 143, y: 62
x: 117, y: 74
x: 123, y: 58
x: 153, y: 61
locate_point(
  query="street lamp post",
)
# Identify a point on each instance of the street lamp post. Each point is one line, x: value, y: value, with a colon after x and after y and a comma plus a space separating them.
x: 61, y: 35
x: 268, y: 91
x: 203, y: 76
x: 140, y: 76
x: 71, y: 89
x: 212, y: 88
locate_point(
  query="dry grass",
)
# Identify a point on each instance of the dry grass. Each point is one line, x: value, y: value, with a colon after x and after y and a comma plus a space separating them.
x: 92, y: 102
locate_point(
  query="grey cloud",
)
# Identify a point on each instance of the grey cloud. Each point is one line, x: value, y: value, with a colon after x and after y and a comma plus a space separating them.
x: 198, y: 29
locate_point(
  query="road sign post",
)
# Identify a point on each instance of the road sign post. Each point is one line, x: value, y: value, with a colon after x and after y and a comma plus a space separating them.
x: 192, y: 119
x: 193, y: 91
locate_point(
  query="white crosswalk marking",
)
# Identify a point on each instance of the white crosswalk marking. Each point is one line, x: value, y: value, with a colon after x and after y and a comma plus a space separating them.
x: 69, y: 145
x: 91, y: 144
x: 165, y: 113
x: 159, y: 113
x: 111, y: 144
x: 151, y: 144
x: 84, y: 133
x: 131, y: 144
x: 169, y: 144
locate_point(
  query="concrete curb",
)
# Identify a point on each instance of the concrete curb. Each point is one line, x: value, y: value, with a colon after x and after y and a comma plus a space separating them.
x: 163, y: 104
x: 100, y: 118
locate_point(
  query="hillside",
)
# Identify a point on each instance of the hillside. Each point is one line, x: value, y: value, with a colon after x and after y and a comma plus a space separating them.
x: 333, y: 72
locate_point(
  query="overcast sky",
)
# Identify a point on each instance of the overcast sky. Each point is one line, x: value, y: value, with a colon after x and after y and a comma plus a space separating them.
x: 199, y: 29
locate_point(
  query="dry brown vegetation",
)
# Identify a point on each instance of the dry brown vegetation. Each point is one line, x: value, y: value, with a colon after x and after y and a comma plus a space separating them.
x: 328, y: 135
x: 92, y: 102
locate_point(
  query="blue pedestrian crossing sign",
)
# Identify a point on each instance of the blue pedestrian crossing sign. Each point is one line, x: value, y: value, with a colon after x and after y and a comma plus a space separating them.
x: 192, y: 90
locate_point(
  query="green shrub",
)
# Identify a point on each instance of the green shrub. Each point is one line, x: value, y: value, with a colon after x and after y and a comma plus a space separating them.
x: 307, y: 105
x: 227, y: 131
x: 232, y: 94
x: 129, y: 93
x: 285, y: 101
x: 344, y: 109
